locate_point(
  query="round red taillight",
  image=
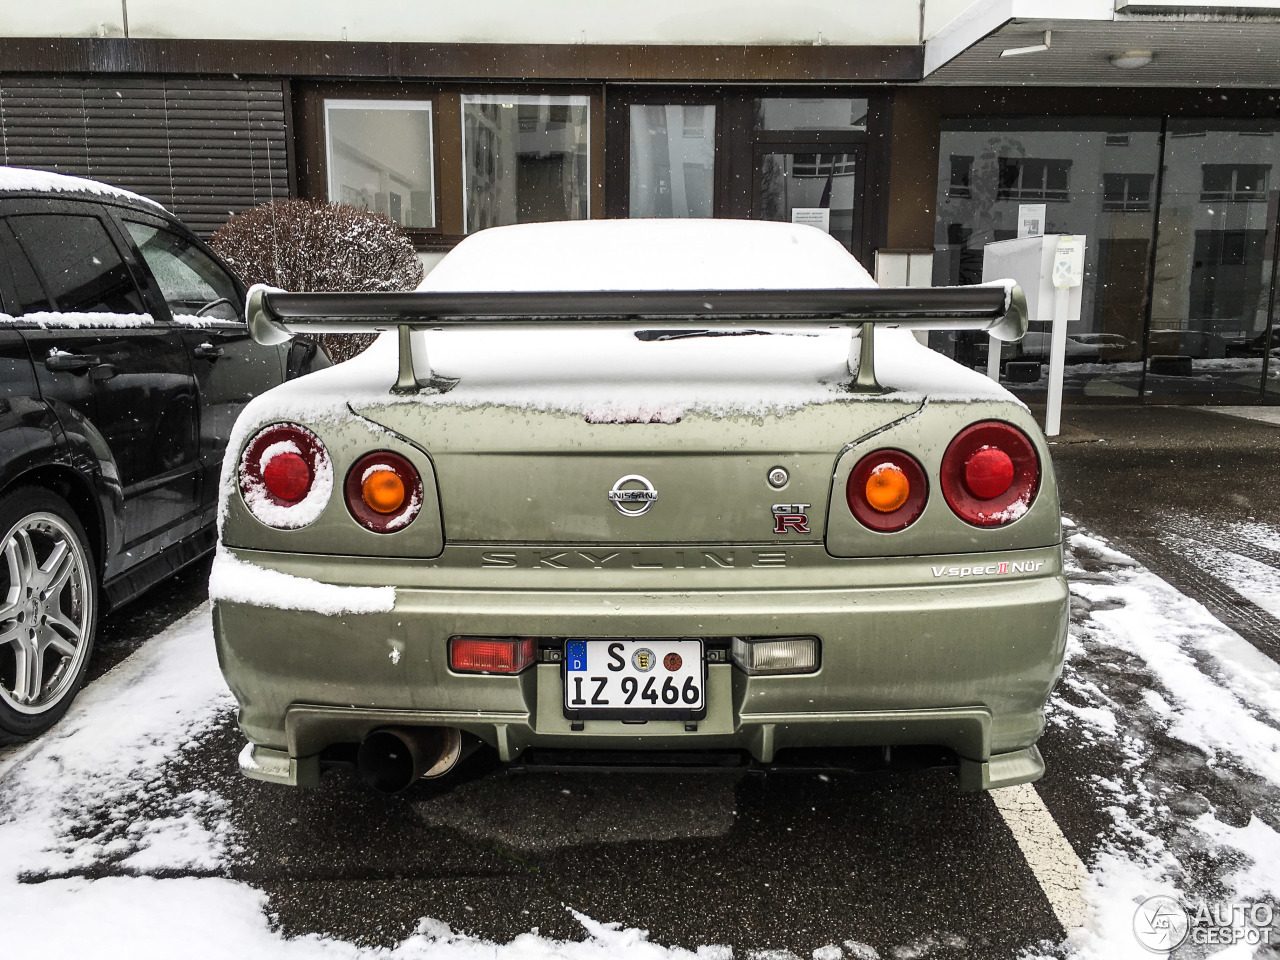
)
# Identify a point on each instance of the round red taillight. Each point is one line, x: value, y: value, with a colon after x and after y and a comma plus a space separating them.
x: 286, y: 476
x: 383, y: 492
x: 887, y: 490
x: 990, y: 474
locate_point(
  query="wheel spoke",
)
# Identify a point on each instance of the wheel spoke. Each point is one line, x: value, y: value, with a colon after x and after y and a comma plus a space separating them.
x: 29, y: 673
x: 57, y: 568
x: 26, y: 555
x: 52, y: 639
x: 62, y: 624
x: 14, y: 635
x: 20, y: 563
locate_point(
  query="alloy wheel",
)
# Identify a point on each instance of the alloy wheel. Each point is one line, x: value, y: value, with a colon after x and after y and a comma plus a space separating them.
x: 46, y: 612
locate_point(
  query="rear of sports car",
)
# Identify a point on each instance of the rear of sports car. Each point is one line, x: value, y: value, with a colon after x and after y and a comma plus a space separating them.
x: 640, y: 541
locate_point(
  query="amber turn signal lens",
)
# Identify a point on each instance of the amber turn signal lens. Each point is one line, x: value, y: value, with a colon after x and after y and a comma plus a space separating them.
x: 887, y: 488
x: 383, y: 490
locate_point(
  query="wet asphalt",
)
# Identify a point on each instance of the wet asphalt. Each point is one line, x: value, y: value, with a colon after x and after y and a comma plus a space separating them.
x: 795, y: 860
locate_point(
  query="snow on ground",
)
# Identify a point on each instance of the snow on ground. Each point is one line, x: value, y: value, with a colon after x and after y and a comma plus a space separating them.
x: 1253, y: 578
x: 1178, y: 716
x: 90, y: 826
x: 1192, y: 714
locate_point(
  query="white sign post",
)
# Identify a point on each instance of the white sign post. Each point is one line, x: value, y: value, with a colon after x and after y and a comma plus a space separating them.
x: 1050, y: 270
x: 1068, y: 272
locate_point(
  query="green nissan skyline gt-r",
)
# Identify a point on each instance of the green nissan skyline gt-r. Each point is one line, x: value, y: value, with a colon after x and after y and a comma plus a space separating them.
x: 639, y: 486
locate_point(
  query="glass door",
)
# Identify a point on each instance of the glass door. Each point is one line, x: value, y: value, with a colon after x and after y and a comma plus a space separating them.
x: 809, y: 163
x: 797, y: 183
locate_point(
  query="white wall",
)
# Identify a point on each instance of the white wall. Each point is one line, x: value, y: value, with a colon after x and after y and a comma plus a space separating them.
x: 504, y: 21
x: 69, y: 18
x: 938, y: 13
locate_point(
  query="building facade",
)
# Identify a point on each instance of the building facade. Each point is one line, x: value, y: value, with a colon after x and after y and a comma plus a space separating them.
x: 914, y: 133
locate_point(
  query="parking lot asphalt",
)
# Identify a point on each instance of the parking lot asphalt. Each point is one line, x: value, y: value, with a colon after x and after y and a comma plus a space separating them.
x: 899, y: 863
x: 1150, y: 478
x: 793, y: 861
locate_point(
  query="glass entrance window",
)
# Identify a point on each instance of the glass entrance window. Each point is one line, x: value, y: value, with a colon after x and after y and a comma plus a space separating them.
x: 1093, y: 177
x: 820, y: 189
x: 673, y: 156
x: 1211, y: 304
x: 380, y: 158
x: 524, y: 159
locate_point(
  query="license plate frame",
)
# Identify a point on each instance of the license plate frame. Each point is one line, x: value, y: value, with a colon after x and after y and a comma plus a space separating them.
x: 602, y: 648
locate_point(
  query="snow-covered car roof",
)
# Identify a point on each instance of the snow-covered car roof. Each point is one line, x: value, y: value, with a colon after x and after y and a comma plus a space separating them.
x: 648, y: 255
x: 20, y: 179
x: 610, y: 375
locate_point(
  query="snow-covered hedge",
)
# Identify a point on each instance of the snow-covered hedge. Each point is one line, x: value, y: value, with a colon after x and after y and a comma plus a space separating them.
x: 309, y: 246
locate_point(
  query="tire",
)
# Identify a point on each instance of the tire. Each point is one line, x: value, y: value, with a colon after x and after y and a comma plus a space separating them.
x: 48, y: 611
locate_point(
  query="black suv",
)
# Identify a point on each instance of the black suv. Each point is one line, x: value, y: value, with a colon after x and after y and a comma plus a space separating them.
x: 124, y: 361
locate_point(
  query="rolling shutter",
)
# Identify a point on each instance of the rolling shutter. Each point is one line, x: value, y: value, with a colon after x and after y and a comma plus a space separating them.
x: 203, y: 148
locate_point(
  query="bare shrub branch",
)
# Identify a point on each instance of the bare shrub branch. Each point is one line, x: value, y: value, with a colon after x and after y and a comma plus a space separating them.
x: 309, y: 246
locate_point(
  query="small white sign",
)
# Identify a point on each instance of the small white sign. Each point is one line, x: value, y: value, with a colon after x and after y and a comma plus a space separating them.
x: 1068, y: 262
x: 819, y: 217
x: 1031, y: 218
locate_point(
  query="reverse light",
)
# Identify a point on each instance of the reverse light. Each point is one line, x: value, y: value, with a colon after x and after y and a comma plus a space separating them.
x: 990, y: 474
x: 491, y: 654
x: 383, y: 492
x: 286, y: 476
x: 776, y: 656
x: 887, y: 490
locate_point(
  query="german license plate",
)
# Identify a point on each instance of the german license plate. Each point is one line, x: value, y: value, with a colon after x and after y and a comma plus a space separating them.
x: 634, y: 680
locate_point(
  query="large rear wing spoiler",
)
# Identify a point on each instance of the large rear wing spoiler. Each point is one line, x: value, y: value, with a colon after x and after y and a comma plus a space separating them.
x: 999, y: 309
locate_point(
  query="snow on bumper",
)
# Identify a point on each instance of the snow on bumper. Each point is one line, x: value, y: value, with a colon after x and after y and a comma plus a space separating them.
x: 907, y: 656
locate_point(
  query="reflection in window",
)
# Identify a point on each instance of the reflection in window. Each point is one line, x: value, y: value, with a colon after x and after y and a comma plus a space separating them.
x: 1127, y: 192
x: 380, y: 158
x: 1234, y: 182
x: 961, y: 173
x: 1027, y: 179
x: 672, y: 175
x: 823, y: 165
x: 811, y: 181
x: 1211, y: 293
x: 987, y: 169
x: 79, y: 264
x: 524, y: 159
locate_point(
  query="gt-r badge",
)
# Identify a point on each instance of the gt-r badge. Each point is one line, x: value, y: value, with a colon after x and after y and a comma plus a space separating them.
x: 790, y: 516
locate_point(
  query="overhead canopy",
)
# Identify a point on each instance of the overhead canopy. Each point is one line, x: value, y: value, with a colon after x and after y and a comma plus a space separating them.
x: 1192, y: 44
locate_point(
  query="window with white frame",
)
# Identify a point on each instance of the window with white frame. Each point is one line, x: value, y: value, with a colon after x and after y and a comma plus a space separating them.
x: 380, y: 157
x: 525, y: 159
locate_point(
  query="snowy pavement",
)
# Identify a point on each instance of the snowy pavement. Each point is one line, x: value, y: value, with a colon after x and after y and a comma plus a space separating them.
x: 128, y: 831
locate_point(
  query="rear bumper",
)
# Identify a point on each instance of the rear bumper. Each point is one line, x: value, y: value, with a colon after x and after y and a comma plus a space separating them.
x: 908, y: 657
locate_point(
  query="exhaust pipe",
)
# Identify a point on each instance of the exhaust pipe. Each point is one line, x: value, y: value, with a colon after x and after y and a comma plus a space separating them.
x: 391, y: 759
